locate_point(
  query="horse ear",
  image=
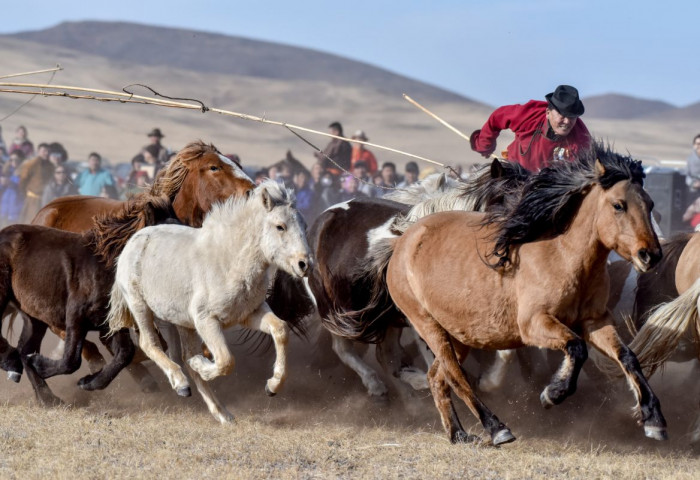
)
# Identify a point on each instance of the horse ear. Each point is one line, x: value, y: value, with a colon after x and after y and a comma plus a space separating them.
x: 496, y: 168
x: 441, y: 181
x: 599, y: 168
x: 267, y: 200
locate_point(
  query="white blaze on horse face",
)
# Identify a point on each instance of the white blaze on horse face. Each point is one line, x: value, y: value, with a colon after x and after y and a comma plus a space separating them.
x: 237, y: 171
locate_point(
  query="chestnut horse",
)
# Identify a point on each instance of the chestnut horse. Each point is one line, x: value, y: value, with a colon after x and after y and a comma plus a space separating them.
x: 534, y: 275
x: 196, y: 178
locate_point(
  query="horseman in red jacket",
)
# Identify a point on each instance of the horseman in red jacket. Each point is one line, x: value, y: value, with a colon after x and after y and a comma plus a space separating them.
x: 545, y: 132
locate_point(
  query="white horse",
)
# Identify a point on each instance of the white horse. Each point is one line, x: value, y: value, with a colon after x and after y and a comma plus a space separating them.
x: 204, y: 280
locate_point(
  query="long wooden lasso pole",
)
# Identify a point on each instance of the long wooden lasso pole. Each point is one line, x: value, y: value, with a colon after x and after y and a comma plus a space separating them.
x: 128, y: 97
x: 425, y: 110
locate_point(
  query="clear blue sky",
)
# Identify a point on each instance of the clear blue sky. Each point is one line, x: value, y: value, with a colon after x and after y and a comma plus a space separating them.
x: 495, y: 51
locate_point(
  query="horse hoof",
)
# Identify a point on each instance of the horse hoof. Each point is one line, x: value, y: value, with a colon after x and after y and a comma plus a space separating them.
x: 656, y: 433
x: 14, y: 376
x: 184, y: 391
x: 269, y: 392
x: 502, y: 436
x: 545, y: 400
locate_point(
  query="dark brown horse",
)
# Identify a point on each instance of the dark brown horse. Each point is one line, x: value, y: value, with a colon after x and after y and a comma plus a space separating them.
x: 61, y: 280
x: 535, y: 275
x: 196, y: 178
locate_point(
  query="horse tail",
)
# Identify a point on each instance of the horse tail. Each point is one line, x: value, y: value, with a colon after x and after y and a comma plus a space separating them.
x: 369, y: 323
x: 119, y: 315
x: 659, y: 337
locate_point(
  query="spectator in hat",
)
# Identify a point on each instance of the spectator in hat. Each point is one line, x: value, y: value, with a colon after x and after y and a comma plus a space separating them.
x: 34, y: 175
x: 361, y: 154
x: 161, y: 153
x: 411, y: 173
x: 339, y: 151
x: 545, y: 132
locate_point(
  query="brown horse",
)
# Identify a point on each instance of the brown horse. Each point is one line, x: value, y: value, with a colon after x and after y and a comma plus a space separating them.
x: 193, y: 181
x: 196, y: 178
x: 61, y: 280
x: 533, y: 275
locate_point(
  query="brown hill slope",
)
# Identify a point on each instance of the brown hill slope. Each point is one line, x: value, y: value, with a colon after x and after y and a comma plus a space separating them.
x: 617, y: 106
x: 311, y: 90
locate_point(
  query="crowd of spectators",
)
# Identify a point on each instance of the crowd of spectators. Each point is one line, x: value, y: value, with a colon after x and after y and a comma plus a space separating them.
x: 31, y: 177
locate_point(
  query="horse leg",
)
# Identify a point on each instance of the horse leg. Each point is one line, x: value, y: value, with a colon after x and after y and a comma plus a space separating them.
x: 169, y: 334
x: 137, y: 371
x: 447, y: 362
x: 492, y: 379
x: 191, y: 345
x: 602, y: 335
x: 70, y: 362
x: 122, y: 349
x: 211, y: 332
x: 345, y: 349
x: 90, y: 353
x: 29, y: 342
x: 150, y: 344
x: 391, y: 356
x: 10, y: 358
x: 266, y: 321
x: 543, y: 330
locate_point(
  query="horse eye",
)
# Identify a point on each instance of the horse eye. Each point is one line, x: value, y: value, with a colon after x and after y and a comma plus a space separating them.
x: 618, y: 207
x: 281, y: 228
x: 214, y: 168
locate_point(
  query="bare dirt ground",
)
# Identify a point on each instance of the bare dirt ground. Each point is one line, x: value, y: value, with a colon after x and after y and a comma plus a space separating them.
x: 323, y: 426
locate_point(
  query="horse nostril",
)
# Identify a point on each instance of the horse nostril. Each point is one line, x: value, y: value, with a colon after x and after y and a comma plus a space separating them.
x: 302, y: 266
x: 644, y: 256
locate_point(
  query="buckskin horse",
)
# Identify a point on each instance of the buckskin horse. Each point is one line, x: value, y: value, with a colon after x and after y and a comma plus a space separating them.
x: 534, y: 275
x: 341, y: 237
x: 196, y: 178
x: 218, y: 276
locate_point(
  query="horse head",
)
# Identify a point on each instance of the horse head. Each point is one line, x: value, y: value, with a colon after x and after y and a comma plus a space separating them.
x: 624, y: 213
x: 198, y: 177
x: 284, y: 230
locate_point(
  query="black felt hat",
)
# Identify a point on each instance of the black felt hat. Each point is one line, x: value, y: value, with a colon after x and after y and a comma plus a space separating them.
x: 565, y: 100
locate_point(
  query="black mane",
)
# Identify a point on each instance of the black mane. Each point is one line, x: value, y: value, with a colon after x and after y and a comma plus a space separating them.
x: 550, y: 199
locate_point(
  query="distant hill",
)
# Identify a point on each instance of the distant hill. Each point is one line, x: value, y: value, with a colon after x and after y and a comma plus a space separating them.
x: 624, y: 107
x: 691, y: 112
x: 215, y: 53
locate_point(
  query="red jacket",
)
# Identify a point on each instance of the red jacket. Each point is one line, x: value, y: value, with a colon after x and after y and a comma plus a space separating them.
x: 531, y: 147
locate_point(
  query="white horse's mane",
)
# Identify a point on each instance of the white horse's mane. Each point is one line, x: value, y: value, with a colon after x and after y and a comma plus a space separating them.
x: 427, y: 188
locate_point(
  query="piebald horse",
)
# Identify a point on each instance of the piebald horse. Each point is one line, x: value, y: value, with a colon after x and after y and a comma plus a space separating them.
x: 533, y: 275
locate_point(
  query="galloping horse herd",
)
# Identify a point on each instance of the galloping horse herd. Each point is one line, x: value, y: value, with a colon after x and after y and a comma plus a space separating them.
x: 503, y: 260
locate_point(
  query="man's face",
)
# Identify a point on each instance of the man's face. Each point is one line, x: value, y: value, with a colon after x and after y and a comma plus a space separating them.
x: 360, y: 172
x: 43, y: 153
x: 94, y: 163
x: 388, y: 174
x: 696, y: 146
x: 561, y: 125
x: 154, y: 139
x: 410, y: 177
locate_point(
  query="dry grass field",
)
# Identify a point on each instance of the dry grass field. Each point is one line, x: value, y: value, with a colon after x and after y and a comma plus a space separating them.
x: 322, y: 426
